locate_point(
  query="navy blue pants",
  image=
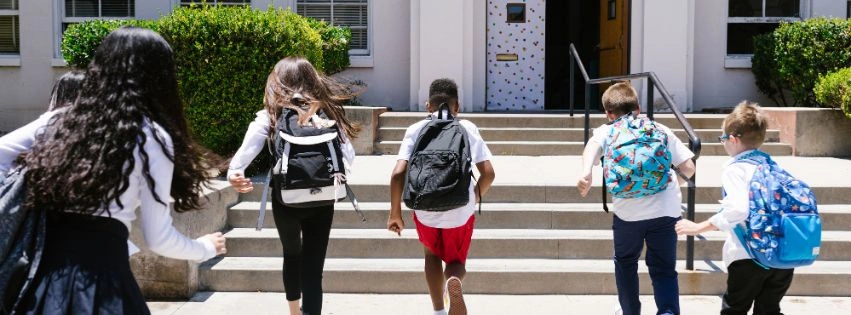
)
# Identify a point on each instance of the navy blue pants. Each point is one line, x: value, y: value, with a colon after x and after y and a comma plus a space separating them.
x: 661, y: 259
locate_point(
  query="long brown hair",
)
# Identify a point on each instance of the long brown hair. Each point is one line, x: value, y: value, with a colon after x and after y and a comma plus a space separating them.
x: 295, y: 75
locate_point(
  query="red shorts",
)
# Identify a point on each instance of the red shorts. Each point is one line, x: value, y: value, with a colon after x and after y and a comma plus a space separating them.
x: 451, y: 245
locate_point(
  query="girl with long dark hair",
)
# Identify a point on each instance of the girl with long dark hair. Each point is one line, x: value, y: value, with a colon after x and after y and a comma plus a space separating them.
x: 294, y: 86
x: 123, y: 144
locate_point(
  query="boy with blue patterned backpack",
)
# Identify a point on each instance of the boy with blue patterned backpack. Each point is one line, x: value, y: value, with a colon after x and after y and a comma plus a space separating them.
x: 771, y: 217
x: 638, y: 170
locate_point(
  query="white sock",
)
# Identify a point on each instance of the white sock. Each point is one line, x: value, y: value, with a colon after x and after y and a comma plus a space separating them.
x: 440, y: 312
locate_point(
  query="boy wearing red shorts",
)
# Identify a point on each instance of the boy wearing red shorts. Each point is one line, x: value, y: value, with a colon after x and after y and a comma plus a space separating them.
x: 445, y: 235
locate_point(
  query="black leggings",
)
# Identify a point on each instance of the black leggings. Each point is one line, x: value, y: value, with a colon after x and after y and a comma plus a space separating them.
x: 304, y: 259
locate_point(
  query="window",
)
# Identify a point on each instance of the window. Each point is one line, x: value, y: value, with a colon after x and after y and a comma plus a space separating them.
x: 747, y: 18
x: 353, y: 14
x: 76, y: 11
x: 185, y: 3
x: 516, y: 12
x: 10, y: 38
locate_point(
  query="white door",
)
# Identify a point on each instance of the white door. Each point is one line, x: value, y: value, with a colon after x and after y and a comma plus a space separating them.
x: 515, y: 36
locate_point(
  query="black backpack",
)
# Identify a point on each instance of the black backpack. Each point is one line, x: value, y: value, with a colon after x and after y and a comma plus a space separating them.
x: 309, y: 169
x: 440, y: 167
x: 22, y: 233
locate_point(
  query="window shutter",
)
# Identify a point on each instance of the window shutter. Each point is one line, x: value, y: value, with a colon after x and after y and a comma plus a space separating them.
x: 9, y: 38
x: 353, y: 14
x: 8, y: 4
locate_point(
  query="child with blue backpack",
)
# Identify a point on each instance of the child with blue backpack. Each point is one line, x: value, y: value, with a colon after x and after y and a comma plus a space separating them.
x: 760, y: 273
x: 638, y: 156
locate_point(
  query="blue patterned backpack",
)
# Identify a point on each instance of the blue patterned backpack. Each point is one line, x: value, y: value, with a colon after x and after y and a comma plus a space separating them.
x: 636, y: 161
x: 783, y: 228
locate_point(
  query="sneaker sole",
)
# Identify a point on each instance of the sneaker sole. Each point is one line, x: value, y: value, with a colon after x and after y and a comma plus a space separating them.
x: 456, y: 298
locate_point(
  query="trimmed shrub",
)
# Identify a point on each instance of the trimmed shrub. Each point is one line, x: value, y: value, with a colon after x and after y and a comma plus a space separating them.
x: 335, y: 45
x: 834, y: 89
x: 80, y: 40
x: 224, y: 56
x: 805, y: 50
x: 764, y: 68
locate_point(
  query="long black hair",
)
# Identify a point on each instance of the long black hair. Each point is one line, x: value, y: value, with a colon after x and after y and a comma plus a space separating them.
x: 66, y: 89
x: 83, y: 160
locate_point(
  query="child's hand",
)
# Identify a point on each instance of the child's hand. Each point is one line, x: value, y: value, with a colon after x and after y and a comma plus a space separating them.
x: 218, y: 241
x: 688, y: 227
x: 240, y: 183
x: 396, y: 225
x: 584, y: 184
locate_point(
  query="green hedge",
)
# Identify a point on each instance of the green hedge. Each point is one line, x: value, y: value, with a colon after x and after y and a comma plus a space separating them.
x: 802, y: 51
x: 834, y: 89
x: 223, y: 55
x: 335, y: 45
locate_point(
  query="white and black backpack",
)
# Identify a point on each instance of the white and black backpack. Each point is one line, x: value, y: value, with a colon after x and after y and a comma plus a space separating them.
x: 309, y: 169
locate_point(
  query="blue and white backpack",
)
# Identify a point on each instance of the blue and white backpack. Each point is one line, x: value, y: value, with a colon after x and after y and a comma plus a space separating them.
x: 783, y: 229
x: 636, y: 161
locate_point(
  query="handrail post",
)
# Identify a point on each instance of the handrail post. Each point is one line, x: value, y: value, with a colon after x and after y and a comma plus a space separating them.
x: 572, y: 62
x: 690, y: 216
x: 587, y: 110
x: 650, y: 98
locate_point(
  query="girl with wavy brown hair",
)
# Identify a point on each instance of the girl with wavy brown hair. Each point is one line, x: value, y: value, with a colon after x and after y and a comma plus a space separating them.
x: 296, y: 89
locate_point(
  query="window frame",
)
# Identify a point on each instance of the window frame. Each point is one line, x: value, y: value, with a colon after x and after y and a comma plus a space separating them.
x: 358, y: 57
x: 62, y: 19
x: 17, y: 36
x: 180, y: 3
x: 744, y: 60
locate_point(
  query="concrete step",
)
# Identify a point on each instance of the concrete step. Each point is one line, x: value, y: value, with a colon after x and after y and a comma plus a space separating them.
x: 560, y: 134
x: 496, y: 243
x: 544, y: 148
x: 229, y: 303
x: 487, y: 120
x: 523, y: 193
x: 566, y: 216
x: 500, y: 276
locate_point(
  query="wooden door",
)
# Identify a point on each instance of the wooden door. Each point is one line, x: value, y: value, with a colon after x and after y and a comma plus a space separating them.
x: 614, y: 37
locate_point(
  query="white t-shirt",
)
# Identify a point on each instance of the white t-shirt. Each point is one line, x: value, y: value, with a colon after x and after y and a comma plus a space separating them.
x: 156, y: 222
x: 664, y: 204
x: 735, y: 207
x: 479, y: 153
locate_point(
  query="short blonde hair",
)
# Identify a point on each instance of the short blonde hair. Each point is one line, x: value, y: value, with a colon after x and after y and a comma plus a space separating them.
x: 748, y: 123
x: 620, y: 99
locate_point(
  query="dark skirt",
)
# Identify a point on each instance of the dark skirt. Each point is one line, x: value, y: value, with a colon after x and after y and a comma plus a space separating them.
x: 85, y: 270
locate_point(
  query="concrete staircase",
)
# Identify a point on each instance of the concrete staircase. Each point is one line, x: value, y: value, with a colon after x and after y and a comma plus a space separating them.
x: 557, y: 134
x: 535, y: 235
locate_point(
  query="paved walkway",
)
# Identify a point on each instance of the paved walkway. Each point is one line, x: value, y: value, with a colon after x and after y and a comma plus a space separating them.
x: 362, y: 304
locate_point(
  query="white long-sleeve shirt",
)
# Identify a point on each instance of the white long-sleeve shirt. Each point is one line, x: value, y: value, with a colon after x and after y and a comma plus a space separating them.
x: 255, y: 138
x: 734, y: 207
x: 160, y: 235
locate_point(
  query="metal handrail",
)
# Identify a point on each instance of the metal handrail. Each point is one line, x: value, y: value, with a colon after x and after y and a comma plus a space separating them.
x: 652, y: 82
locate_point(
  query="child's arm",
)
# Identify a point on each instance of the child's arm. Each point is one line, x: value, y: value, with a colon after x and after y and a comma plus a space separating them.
x: 592, y: 153
x: 395, y: 223
x: 686, y: 168
x: 252, y: 144
x: 486, y: 177
x: 734, y: 206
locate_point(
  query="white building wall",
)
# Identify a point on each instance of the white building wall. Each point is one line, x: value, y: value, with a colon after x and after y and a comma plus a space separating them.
x: 662, y: 45
x: 388, y: 78
x: 25, y: 86
x: 718, y: 86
